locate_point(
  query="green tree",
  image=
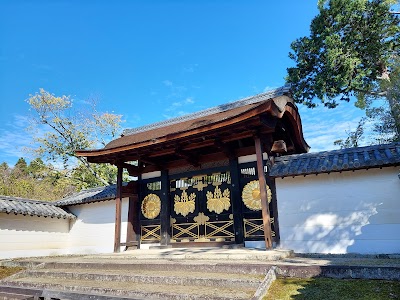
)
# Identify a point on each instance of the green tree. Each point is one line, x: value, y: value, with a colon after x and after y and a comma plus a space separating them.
x: 20, y: 169
x: 352, y: 50
x: 37, y: 169
x: 59, y: 131
x: 21, y: 165
x: 39, y: 181
x: 386, y: 115
x: 84, y: 179
x: 5, y: 174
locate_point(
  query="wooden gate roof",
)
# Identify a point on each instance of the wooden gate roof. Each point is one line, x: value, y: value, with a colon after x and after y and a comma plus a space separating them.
x: 218, y: 129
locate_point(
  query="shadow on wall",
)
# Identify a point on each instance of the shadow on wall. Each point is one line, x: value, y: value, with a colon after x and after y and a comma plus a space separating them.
x: 353, y: 212
x: 331, y: 233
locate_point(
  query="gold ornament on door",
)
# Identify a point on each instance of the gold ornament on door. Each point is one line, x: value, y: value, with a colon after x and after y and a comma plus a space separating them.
x: 218, y: 201
x: 151, y: 206
x: 185, y: 204
x: 251, y: 195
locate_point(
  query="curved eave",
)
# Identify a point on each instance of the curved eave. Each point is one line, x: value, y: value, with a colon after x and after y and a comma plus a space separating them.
x: 276, y: 107
x: 265, y: 107
x: 295, y: 119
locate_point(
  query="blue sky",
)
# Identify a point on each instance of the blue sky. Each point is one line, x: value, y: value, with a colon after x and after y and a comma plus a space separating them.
x: 151, y: 60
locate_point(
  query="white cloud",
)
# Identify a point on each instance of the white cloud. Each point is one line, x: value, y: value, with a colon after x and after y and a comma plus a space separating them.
x: 189, y: 100
x: 175, y: 109
x: 323, y: 126
x: 268, y: 88
x: 14, y: 139
x: 175, y: 91
x: 189, y: 68
x: 167, y: 82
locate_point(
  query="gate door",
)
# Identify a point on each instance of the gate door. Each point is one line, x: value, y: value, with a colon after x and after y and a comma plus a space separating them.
x: 150, y: 223
x: 201, y: 209
x: 251, y: 203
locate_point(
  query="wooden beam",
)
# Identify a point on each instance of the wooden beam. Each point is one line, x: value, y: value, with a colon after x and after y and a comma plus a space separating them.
x: 269, y: 121
x: 193, y: 146
x: 190, y: 158
x: 245, y: 151
x: 132, y: 170
x: 217, y: 126
x: 118, y: 204
x: 225, y: 149
x: 263, y: 193
x: 145, y: 159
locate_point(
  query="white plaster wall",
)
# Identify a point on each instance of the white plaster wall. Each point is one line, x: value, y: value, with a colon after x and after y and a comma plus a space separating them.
x: 151, y: 175
x: 93, y: 230
x: 349, y: 212
x: 27, y: 236
x: 250, y: 158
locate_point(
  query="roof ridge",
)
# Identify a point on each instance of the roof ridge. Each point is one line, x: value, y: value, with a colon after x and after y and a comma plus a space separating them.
x: 88, y: 190
x: 338, y: 160
x: 216, y: 109
x: 14, y: 198
x: 18, y: 205
x: 345, y: 150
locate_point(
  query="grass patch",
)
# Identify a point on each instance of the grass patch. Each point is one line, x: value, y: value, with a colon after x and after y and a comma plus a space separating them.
x: 326, y: 289
x: 8, y: 271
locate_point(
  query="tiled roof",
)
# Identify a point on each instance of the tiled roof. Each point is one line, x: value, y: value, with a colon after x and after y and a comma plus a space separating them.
x: 210, y: 111
x: 337, y: 160
x: 90, y: 195
x: 184, y: 126
x: 22, y: 206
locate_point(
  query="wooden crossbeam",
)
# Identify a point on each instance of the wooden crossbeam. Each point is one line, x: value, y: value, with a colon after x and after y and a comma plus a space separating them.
x: 224, y: 148
x: 190, y: 158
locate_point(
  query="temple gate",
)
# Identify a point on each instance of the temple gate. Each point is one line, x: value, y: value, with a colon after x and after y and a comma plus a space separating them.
x: 204, y: 190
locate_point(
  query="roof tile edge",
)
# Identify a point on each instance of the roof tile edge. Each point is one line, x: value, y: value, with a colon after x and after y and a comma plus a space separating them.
x: 220, y: 108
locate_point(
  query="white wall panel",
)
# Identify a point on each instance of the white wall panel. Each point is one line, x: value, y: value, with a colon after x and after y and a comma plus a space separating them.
x: 341, y: 212
x: 23, y: 236
x: 93, y: 231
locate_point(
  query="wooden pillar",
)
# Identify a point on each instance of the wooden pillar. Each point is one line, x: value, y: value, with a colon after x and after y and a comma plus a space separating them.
x: 118, y: 204
x: 236, y: 201
x: 263, y: 194
x: 165, y: 209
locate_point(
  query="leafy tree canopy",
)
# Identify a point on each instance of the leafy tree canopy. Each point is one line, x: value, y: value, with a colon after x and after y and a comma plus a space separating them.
x: 58, y: 130
x: 353, y: 50
x: 350, y: 48
x: 35, y: 181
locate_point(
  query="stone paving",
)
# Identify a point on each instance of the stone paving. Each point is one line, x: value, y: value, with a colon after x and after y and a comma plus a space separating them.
x: 175, y: 273
x: 213, y: 255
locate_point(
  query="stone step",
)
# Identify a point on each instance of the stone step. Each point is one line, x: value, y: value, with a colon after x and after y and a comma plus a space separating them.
x: 12, y: 296
x: 144, y: 279
x: 166, y: 277
x: 14, y: 293
x: 219, y: 254
x: 134, y: 290
x: 134, y: 266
